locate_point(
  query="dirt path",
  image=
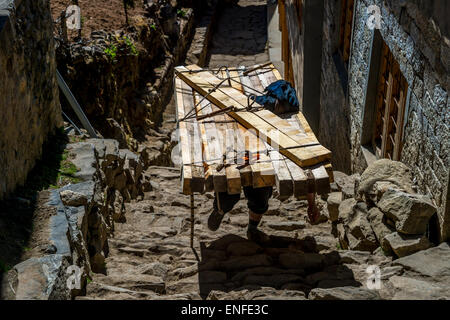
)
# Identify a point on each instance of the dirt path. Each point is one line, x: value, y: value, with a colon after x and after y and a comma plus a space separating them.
x: 150, y: 255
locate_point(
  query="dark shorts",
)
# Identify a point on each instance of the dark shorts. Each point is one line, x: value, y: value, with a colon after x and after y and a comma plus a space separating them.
x: 257, y: 199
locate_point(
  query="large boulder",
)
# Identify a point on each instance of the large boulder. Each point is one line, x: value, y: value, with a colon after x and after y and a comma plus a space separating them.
x: 404, y: 245
x: 433, y: 263
x: 387, y: 171
x: 408, y: 288
x: 410, y: 212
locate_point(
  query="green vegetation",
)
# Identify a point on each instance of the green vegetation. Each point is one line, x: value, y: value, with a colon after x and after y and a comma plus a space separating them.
x: 181, y: 13
x: 66, y: 172
x: 111, y: 52
x: 131, y: 46
x: 153, y: 26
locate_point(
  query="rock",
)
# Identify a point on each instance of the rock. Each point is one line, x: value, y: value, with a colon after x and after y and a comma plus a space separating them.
x: 286, y: 225
x: 72, y: 199
x: 185, y: 272
x: 346, y: 208
x: 154, y: 269
x: 379, y: 188
x: 245, y: 248
x: 265, y: 271
x: 225, y: 241
x: 358, y: 230
x: 410, y: 212
x: 265, y: 293
x: 333, y: 283
x: 212, y: 277
x: 301, y: 260
x: 388, y: 272
x: 406, y: 288
x: 274, y: 280
x: 41, y: 278
x: 433, y: 263
x: 246, y: 262
x: 404, y: 245
x: 351, y: 256
x: 346, y: 184
x: 134, y: 251
x: 343, y: 241
x: 83, y: 156
x: 325, y: 242
x: 379, y: 227
x: 333, y: 202
x: 388, y: 171
x: 114, y: 130
x: 343, y: 293
x: 213, y: 254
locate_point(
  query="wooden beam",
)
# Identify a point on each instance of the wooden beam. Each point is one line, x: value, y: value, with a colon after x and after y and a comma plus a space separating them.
x: 194, y: 138
x: 289, y: 147
x: 186, y: 171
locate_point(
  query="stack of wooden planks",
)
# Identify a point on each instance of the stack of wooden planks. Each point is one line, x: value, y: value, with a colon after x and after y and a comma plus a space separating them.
x: 287, y: 153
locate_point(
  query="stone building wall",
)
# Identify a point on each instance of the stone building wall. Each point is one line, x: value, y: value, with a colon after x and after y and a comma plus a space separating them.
x: 419, y: 41
x: 334, y: 125
x: 29, y: 98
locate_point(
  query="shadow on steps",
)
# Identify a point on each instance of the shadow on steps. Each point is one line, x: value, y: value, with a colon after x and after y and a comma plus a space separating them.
x: 233, y: 263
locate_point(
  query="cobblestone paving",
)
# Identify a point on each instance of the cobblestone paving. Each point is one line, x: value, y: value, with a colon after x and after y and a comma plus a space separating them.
x: 241, y: 35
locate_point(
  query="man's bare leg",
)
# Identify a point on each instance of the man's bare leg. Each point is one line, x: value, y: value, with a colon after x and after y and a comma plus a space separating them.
x: 253, y: 233
x: 313, y: 211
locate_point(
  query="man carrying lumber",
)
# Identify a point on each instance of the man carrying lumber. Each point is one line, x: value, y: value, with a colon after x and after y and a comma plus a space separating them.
x: 280, y: 98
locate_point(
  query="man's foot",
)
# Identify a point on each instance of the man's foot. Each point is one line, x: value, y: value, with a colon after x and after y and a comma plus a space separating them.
x: 214, y: 220
x: 257, y: 236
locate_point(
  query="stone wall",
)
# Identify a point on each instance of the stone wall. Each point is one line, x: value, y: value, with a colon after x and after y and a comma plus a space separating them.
x: 124, y: 96
x: 334, y: 126
x: 29, y: 99
x: 75, y: 236
x: 416, y: 37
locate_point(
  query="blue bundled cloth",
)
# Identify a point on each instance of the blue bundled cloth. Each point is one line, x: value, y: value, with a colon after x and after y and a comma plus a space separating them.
x: 280, y: 97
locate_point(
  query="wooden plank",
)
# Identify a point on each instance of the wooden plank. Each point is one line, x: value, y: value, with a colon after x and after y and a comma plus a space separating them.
x: 212, y: 147
x: 299, y: 179
x: 232, y: 172
x: 283, y: 179
x: 195, y: 146
x: 186, y: 172
x: 304, y: 156
x: 263, y: 172
x: 245, y: 171
x: 321, y: 180
x: 218, y: 133
x: 280, y: 124
x: 299, y: 126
